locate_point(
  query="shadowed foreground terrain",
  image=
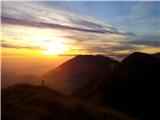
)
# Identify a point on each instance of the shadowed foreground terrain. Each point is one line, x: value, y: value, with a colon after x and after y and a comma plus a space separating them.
x: 28, y: 102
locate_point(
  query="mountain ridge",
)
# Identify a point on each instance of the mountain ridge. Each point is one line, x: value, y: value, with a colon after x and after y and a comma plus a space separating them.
x: 133, y: 81
x: 78, y: 71
x: 130, y: 87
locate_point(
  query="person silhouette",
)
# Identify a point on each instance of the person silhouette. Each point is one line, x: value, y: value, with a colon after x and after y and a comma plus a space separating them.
x: 42, y: 82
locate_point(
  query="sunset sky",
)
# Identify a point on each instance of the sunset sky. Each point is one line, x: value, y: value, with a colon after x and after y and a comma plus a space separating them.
x: 38, y: 36
x: 70, y: 28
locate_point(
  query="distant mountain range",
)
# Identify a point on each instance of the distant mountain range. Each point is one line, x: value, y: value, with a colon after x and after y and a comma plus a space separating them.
x: 95, y: 86
x: 132, y: 88
x: 129, y: 86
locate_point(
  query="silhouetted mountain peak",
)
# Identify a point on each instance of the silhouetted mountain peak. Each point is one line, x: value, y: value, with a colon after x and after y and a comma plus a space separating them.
x: 136, y: 55
x: 138, y: 58
x: 132, y: 87
x: 87, y: 61
x: 78, y: 71
x: 91, y: 57
x: 157, y: 55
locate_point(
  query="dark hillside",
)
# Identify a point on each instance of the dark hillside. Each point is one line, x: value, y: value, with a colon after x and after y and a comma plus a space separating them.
x: 133, y: 87
x: 27, y: 102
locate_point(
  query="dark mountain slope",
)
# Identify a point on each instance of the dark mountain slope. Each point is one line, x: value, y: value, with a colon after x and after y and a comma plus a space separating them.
x: 78, y: 71
x: 133, y: 87
x: 27, y: 102
x: 157, y: 55
x: 136, y: 86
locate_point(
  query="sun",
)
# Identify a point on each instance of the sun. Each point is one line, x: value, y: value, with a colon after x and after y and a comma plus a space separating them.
x: 52, y: 47
x: 55, y: 48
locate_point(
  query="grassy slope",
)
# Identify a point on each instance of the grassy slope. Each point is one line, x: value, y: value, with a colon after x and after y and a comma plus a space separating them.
x: 27, y: 102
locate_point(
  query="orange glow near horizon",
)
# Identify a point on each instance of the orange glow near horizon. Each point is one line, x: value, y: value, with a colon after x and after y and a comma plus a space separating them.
x: 30, y: 41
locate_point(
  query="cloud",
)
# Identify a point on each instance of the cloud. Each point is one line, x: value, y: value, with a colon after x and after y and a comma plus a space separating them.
x: 28, y: 14
x: 147, y: 40
x: 53, y: 26
x: 4, y: 44
x: 123, y: 47
x: 60, y: 26
x: 147, y: 43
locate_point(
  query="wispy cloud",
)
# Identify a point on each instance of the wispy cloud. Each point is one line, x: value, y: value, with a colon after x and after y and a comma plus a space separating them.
x: 10, y: 45
x: 148, y: 40
x: 58, y: 26
x: 53, y: 18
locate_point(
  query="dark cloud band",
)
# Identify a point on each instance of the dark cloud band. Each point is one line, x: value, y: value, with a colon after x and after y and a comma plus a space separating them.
x: 7, y: 45
x: 7, y: 20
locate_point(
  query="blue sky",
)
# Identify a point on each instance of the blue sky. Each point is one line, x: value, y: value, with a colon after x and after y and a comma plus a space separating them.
x: 121, y: 14
x: 109, y: 28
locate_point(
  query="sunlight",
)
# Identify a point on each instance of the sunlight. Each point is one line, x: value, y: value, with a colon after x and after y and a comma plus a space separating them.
x: 52, y: 47
x: 55, y: 48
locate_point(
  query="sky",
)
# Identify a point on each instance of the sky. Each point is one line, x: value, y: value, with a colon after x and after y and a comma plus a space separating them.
x: 71, y: 28
x: 39, y: 36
